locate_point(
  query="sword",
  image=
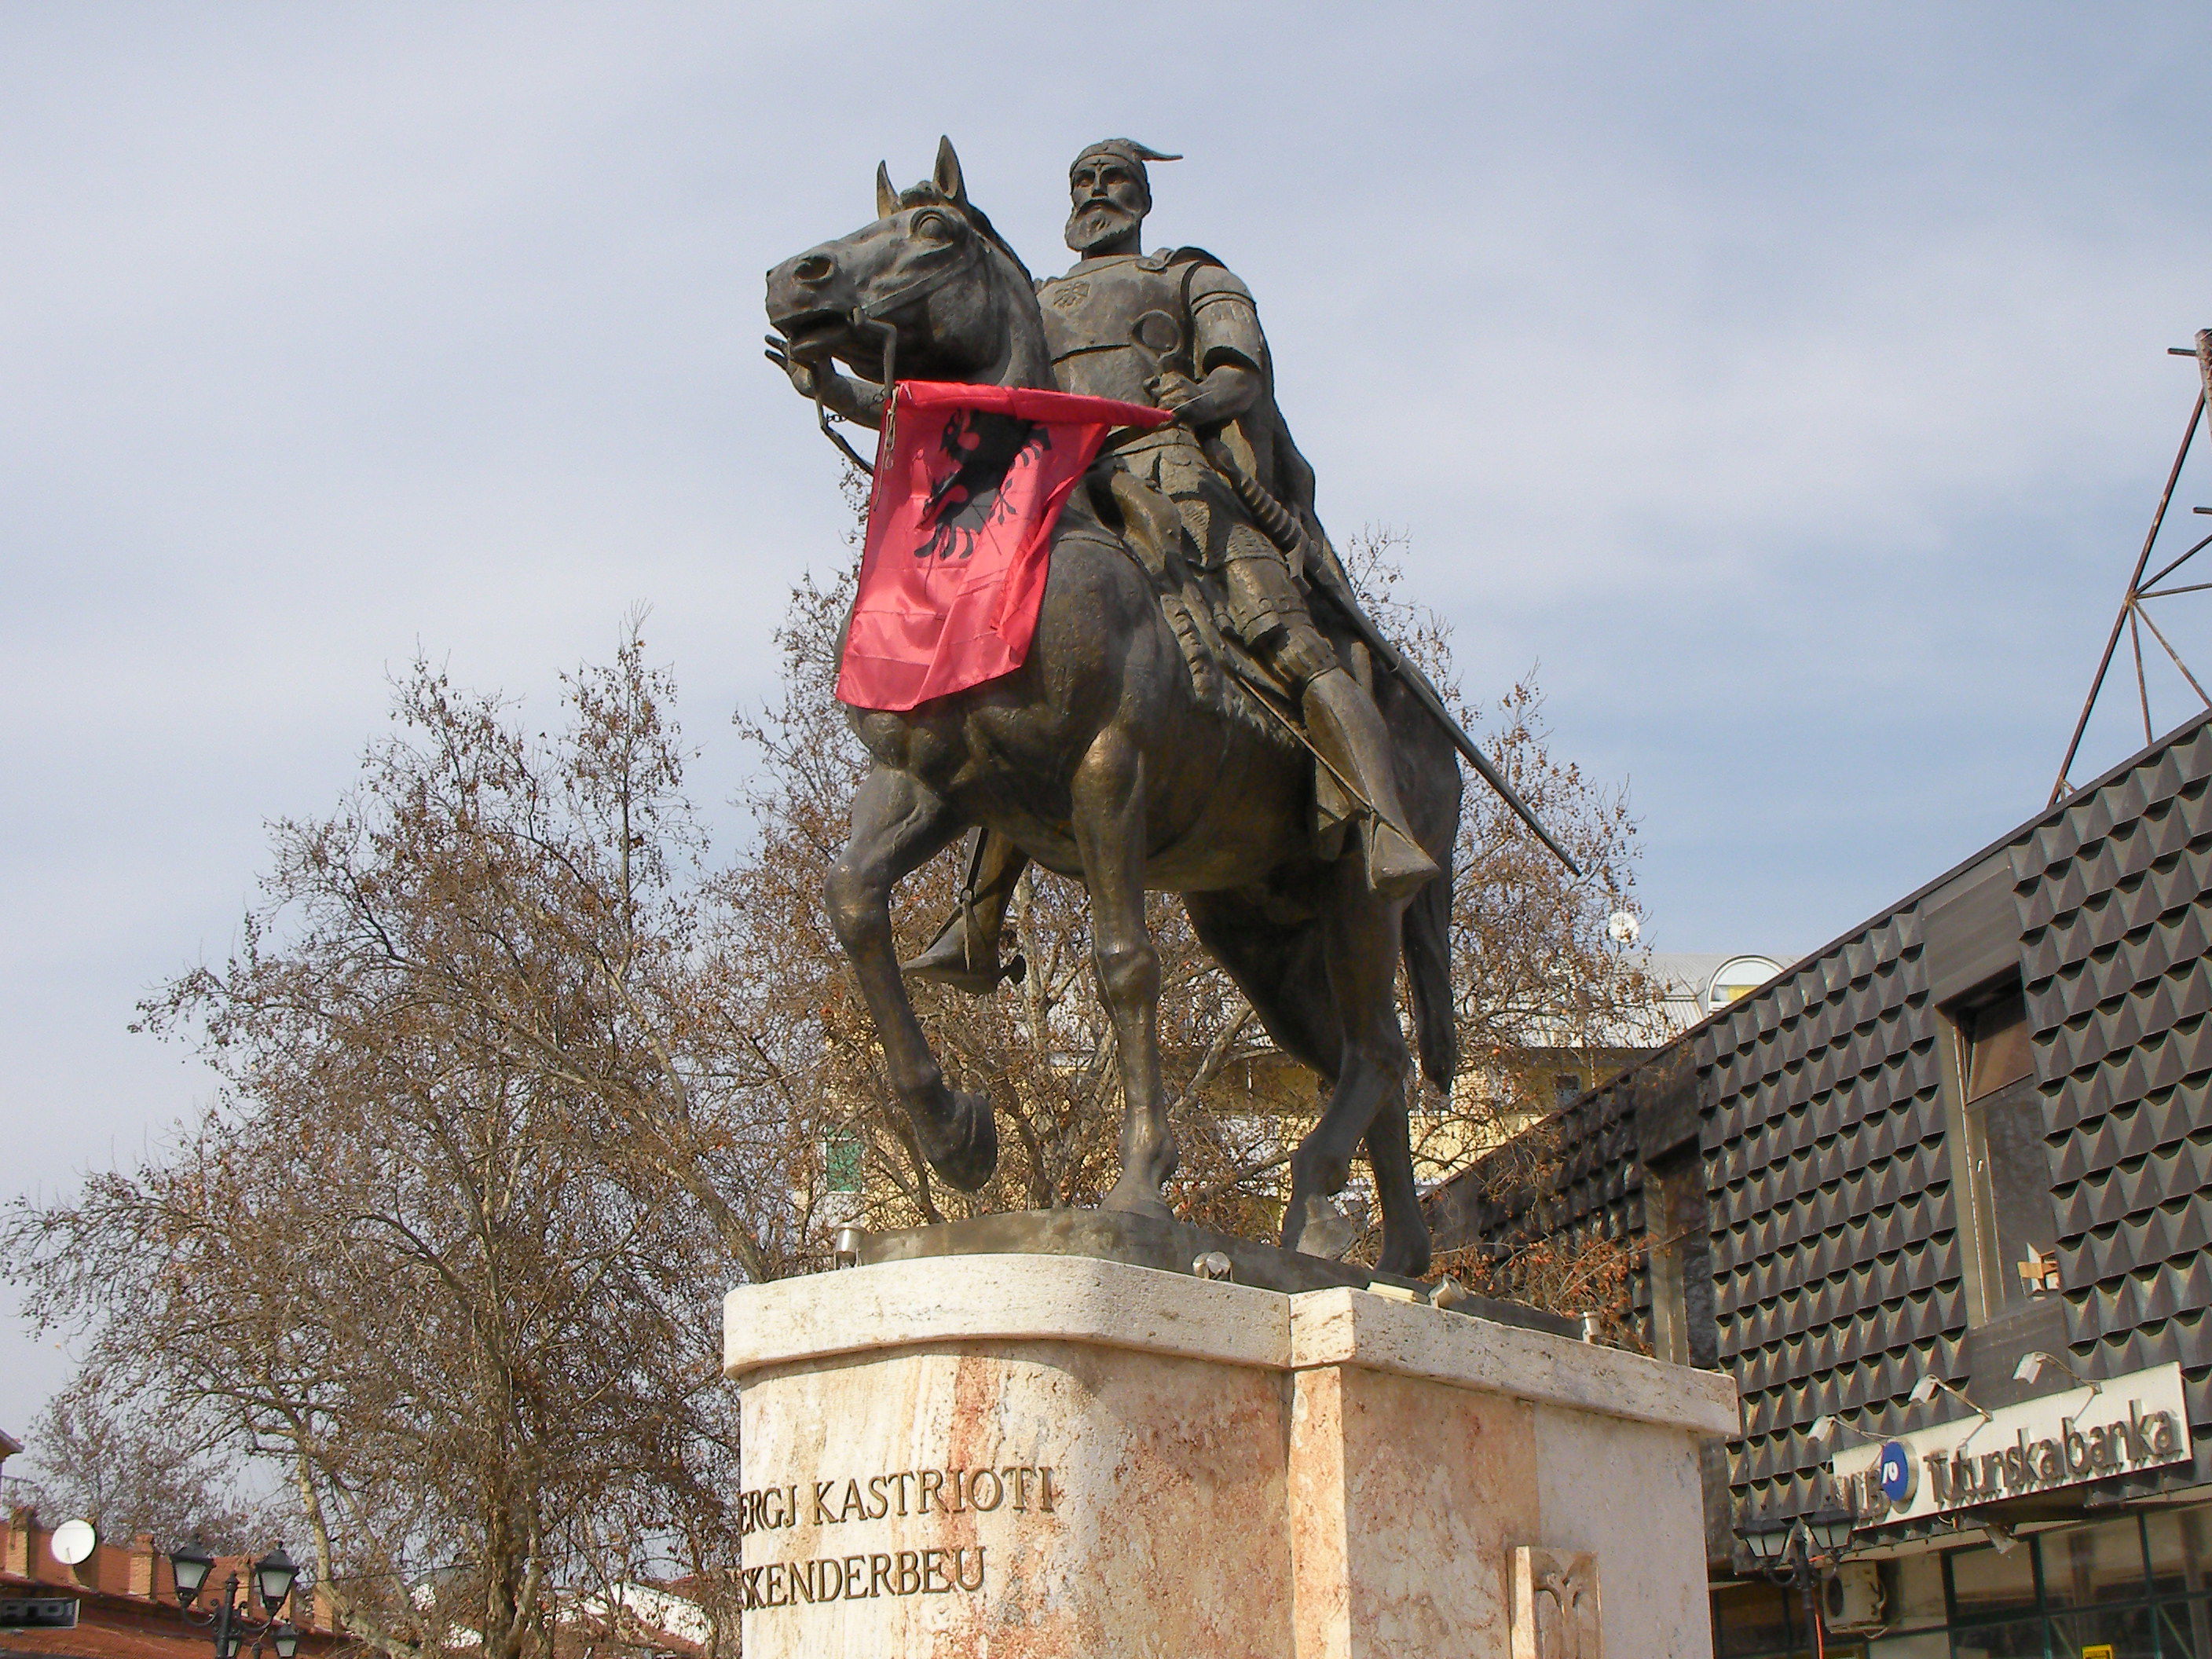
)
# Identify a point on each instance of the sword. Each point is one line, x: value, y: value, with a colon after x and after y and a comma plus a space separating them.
x: 1288, y: 534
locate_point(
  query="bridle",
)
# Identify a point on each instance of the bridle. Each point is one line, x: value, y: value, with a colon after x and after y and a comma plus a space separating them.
x: 874, y: 318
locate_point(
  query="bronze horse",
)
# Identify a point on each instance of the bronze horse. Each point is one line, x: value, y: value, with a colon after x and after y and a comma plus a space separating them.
x: 1097, y: 759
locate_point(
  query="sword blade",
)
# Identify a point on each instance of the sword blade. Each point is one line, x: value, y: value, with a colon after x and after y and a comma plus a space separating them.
x: 1284, y: 530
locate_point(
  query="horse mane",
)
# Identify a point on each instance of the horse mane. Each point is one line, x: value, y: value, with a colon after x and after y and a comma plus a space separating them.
x: 978, y: 221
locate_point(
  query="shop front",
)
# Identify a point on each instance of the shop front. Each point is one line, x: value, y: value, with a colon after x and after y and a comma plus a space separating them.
x: 2135, y: 1586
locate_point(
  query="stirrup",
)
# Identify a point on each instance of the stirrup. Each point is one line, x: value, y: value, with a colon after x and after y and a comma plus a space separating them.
x: 947, y: 960
x: 1397, y: 868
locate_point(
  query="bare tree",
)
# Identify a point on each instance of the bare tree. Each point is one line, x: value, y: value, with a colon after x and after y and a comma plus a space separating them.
x: 1550, y: 996
x: 100, y: 1457
x: 446, y: 1250
x: 514, y: 1084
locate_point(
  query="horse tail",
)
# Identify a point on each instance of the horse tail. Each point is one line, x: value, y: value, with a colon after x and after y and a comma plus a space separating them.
x: 1427, y: 930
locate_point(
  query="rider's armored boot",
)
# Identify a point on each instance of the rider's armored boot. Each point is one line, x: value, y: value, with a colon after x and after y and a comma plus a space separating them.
x: 1348, y: 730
x: 964, y: 955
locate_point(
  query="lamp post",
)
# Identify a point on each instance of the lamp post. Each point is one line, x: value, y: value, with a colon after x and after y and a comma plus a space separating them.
x: 232, y: 1616
x: 1790, y: 1551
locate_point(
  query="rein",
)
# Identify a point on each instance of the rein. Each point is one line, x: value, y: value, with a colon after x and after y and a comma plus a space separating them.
x: 874, y: 316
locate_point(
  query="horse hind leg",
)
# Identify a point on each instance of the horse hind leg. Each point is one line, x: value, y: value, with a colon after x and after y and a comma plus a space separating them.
x: 1406, y: 1247
x: 1108, y: 799
x: 1281, y: 969
x: 1368, y: 1102
x: 898, y: 826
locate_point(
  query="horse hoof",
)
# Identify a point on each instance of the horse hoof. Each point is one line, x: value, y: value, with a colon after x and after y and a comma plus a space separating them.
x: 1317, y: 1227
x: 1408, y: 1259
x: 1135, y: 1197
x: 962, y: 1147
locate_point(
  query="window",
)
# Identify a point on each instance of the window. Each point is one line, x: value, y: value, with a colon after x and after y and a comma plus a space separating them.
x: 2180, y: 1564
x: 1752, y: 1619
x: 1678, y: 1230
x: 1995, y: 1037
x: 2088, y: 1567
x: 2070, y: 1591
x: 1565, y: 1085
x: 2000, y: 1123
x: 1988, y: 1583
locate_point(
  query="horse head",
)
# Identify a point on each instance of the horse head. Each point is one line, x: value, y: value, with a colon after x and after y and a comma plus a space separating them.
x: 928, y: 290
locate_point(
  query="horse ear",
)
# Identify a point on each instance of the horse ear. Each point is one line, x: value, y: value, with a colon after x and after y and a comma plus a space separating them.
x: 886, y: 197
x: 950, y: 185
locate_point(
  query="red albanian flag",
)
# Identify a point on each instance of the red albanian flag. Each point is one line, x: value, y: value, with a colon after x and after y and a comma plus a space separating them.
x: 969, y: 482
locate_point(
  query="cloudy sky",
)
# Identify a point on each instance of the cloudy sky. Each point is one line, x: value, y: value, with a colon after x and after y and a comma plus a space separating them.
x: 1788, y: 384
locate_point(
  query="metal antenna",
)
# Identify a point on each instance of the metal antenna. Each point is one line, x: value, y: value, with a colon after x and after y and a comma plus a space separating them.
x: 2134, y: 615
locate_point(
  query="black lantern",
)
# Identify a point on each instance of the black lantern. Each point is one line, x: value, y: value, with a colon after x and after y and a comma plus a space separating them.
x: 1831, y: 1531
x: 1769, y: 1540
x: 229, y: 1609
x: 1790, y: 1551
x: 272, y: 1577
x: 191, y: 1566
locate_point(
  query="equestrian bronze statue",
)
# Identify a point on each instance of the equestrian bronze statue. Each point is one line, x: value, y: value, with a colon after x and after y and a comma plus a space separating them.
x: 1202, y: 709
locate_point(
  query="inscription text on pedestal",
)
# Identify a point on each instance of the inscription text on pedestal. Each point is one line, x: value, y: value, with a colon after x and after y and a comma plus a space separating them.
x: 1020, y: 1488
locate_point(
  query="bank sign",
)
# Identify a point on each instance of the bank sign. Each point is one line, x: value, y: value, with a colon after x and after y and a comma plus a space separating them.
x: 2126, y: 1424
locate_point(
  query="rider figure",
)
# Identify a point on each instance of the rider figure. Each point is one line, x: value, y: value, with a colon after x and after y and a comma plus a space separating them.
x: 1177, y: 331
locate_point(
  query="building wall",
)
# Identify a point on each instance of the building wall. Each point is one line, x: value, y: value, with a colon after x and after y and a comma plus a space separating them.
x: 1823, y: 1121
x: 126, y: 1600
x: 2115, y: 903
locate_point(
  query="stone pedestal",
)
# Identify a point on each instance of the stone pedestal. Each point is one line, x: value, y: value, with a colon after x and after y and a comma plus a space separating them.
x: 1024, y: 1457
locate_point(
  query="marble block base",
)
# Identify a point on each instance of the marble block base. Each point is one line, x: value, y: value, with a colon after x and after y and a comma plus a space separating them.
x: 1024, y: 1457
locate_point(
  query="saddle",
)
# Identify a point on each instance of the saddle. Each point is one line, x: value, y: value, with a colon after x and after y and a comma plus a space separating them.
x: 1225, y: 675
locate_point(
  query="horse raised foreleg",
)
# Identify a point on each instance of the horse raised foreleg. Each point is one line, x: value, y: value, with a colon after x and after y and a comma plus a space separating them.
x: 898, y: 825
x: 1371, y: 1078
x: 1108, y: 799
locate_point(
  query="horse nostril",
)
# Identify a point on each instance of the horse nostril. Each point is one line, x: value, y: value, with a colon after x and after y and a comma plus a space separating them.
x: 814, y: 268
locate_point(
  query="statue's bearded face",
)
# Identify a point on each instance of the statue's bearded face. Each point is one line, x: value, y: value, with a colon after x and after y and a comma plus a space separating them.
x: 1109, y: 200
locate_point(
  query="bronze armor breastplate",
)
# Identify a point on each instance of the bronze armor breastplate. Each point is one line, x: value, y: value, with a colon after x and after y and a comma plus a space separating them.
x: 1112, y: 325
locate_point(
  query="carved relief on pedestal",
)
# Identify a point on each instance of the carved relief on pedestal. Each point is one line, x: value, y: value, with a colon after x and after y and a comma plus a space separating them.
x: 1555, y: 1607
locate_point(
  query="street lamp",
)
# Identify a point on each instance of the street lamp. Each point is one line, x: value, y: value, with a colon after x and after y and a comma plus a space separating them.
x: 191, y: 1564
x: 1790, y: 1551
x: 272, y: 1577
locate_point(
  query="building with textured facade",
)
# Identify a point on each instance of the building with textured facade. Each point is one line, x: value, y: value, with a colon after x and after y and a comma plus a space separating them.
x: 1936, y: 1196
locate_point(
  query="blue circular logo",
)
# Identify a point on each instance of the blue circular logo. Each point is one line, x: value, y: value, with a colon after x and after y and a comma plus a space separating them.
x: 1899, y: 1474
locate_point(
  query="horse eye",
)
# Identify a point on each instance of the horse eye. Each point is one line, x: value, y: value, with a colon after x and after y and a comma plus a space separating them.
x: 930, y: 222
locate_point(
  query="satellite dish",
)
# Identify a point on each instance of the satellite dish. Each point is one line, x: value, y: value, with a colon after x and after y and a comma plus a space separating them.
x: 72, y: 1541
x: 1622, y: 927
